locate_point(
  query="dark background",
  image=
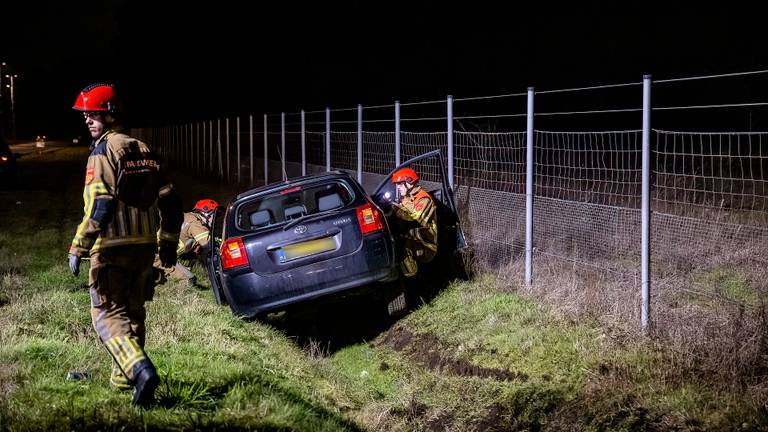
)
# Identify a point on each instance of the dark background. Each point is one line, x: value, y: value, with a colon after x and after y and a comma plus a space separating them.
x: 175, y: 61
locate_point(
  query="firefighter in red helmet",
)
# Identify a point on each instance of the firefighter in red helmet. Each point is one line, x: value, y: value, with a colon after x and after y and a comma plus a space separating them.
x: 194, y: 241
x: 128, y: 201
x: 419, y: 244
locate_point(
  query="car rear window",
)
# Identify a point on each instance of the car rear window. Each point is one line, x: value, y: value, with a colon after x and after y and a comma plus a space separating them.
x: 291, y: 203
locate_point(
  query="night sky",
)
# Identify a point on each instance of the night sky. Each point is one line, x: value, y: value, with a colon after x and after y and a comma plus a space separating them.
x: 180, y: 62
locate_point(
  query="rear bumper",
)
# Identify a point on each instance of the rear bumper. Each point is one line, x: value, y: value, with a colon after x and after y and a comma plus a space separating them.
x: 251, y: 293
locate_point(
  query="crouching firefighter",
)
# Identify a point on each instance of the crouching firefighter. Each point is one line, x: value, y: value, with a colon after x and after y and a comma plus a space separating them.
x: 194, y: 242
x: 419, y: 244
x: 126, y: 197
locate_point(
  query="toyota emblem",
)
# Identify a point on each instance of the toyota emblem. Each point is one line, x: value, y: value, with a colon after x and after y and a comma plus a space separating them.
x: 301, y: 229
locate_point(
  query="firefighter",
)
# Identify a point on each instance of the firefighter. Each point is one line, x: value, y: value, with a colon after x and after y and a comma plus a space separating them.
x: 419, y: 244
x: 194, y: 241
x: 126, y: 197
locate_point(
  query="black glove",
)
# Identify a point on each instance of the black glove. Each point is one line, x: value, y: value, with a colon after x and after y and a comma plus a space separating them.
x: 167, y: 253
x: 74, y: 264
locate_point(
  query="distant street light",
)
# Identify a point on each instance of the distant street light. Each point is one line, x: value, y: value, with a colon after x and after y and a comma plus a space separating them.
x: 13, y: 105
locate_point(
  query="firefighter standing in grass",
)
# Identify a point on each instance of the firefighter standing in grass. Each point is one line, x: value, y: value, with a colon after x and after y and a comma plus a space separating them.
x: 415, y: 204
x: 126, y: 198
x: 194, y: 241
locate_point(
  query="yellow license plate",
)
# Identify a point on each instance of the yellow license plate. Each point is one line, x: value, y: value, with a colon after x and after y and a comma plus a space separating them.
x: 312, y: 247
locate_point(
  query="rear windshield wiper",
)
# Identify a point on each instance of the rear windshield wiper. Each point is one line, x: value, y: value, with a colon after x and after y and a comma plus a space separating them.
x: 309, y: 217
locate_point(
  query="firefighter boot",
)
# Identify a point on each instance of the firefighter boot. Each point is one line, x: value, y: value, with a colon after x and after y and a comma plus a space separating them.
x: 118, y: 380
x: 145, y: 384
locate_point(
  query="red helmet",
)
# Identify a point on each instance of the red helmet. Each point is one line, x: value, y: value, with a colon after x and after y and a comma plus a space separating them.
x: 405, y: 175
x: 206, y: 205
x: 97, y: 97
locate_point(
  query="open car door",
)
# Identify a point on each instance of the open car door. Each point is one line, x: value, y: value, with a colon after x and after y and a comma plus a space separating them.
x: 451, y: 243
x: 213, y: 260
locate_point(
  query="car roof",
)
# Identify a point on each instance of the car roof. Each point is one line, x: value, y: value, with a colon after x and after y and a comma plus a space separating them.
x: 310, y: 178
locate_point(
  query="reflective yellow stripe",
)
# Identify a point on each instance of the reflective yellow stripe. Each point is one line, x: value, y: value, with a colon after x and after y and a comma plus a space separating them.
x: 165, y: 190
x: 117, y: 353
x: 133, y: 216
x: 133, y: 362
x: 163, y: 235
x: 144, y: 222
x: 201, y: 236
x: 137, y: 353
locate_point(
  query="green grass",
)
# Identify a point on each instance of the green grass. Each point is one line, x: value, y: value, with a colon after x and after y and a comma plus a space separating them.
x: 474, y: 358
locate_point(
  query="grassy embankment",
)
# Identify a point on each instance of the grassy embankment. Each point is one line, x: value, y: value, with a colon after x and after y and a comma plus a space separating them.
x: 477, y: 357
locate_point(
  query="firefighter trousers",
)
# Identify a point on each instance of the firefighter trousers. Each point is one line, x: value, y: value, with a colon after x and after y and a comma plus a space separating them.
x: 120, y: 280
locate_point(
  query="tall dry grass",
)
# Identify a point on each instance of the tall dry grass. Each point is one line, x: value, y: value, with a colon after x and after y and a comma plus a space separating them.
x: 708, y: 311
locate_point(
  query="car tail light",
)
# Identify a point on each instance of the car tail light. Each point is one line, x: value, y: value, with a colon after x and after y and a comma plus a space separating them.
x: 233, y: 253
x: 369, y: 218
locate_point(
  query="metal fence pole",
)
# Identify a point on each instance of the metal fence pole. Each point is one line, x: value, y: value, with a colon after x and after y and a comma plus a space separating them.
x: 250, y: 135
x: 282, y: 145
x: 449, y: 115
x: 397, y: 133
x: 360, y: 143
x: 327, y: 139
x: 210, y: 148
x: 218, y: 146
x: 529, y: 193
x: 189, y: 145
x: 226, y: 133
x: 303, y: 146
x: 202, y: 149
x: 266, y: 172
x: 645, y: 255
x: 197, y: 147
x: 237, y: 129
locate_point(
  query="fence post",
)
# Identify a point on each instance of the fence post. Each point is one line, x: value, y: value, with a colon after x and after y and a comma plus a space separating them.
x: 237, y: 131
x: 450, y: 140
x: 187, y: 147
x: 197, y: 148
x: 202, y: 150
x: 282, y: 145
x: 645, y: 255
x: 210, y: 149
x: 397, y: 133
x: 360, y: 143
x: 327, y: 139
x: 529, y: 193
x: 226, y: 133
x: 266, y: 173
x: 218, y: 146
x: 303, y: 146
x: 250, y: 135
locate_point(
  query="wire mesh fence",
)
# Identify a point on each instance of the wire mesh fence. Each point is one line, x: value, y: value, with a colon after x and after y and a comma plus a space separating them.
x: 709, y: 190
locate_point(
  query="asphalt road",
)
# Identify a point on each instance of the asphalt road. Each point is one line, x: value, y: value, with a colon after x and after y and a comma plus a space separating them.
x: 28, y: 147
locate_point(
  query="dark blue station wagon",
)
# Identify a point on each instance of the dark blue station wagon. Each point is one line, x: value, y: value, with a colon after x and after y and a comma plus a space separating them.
x: 309, y: 237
